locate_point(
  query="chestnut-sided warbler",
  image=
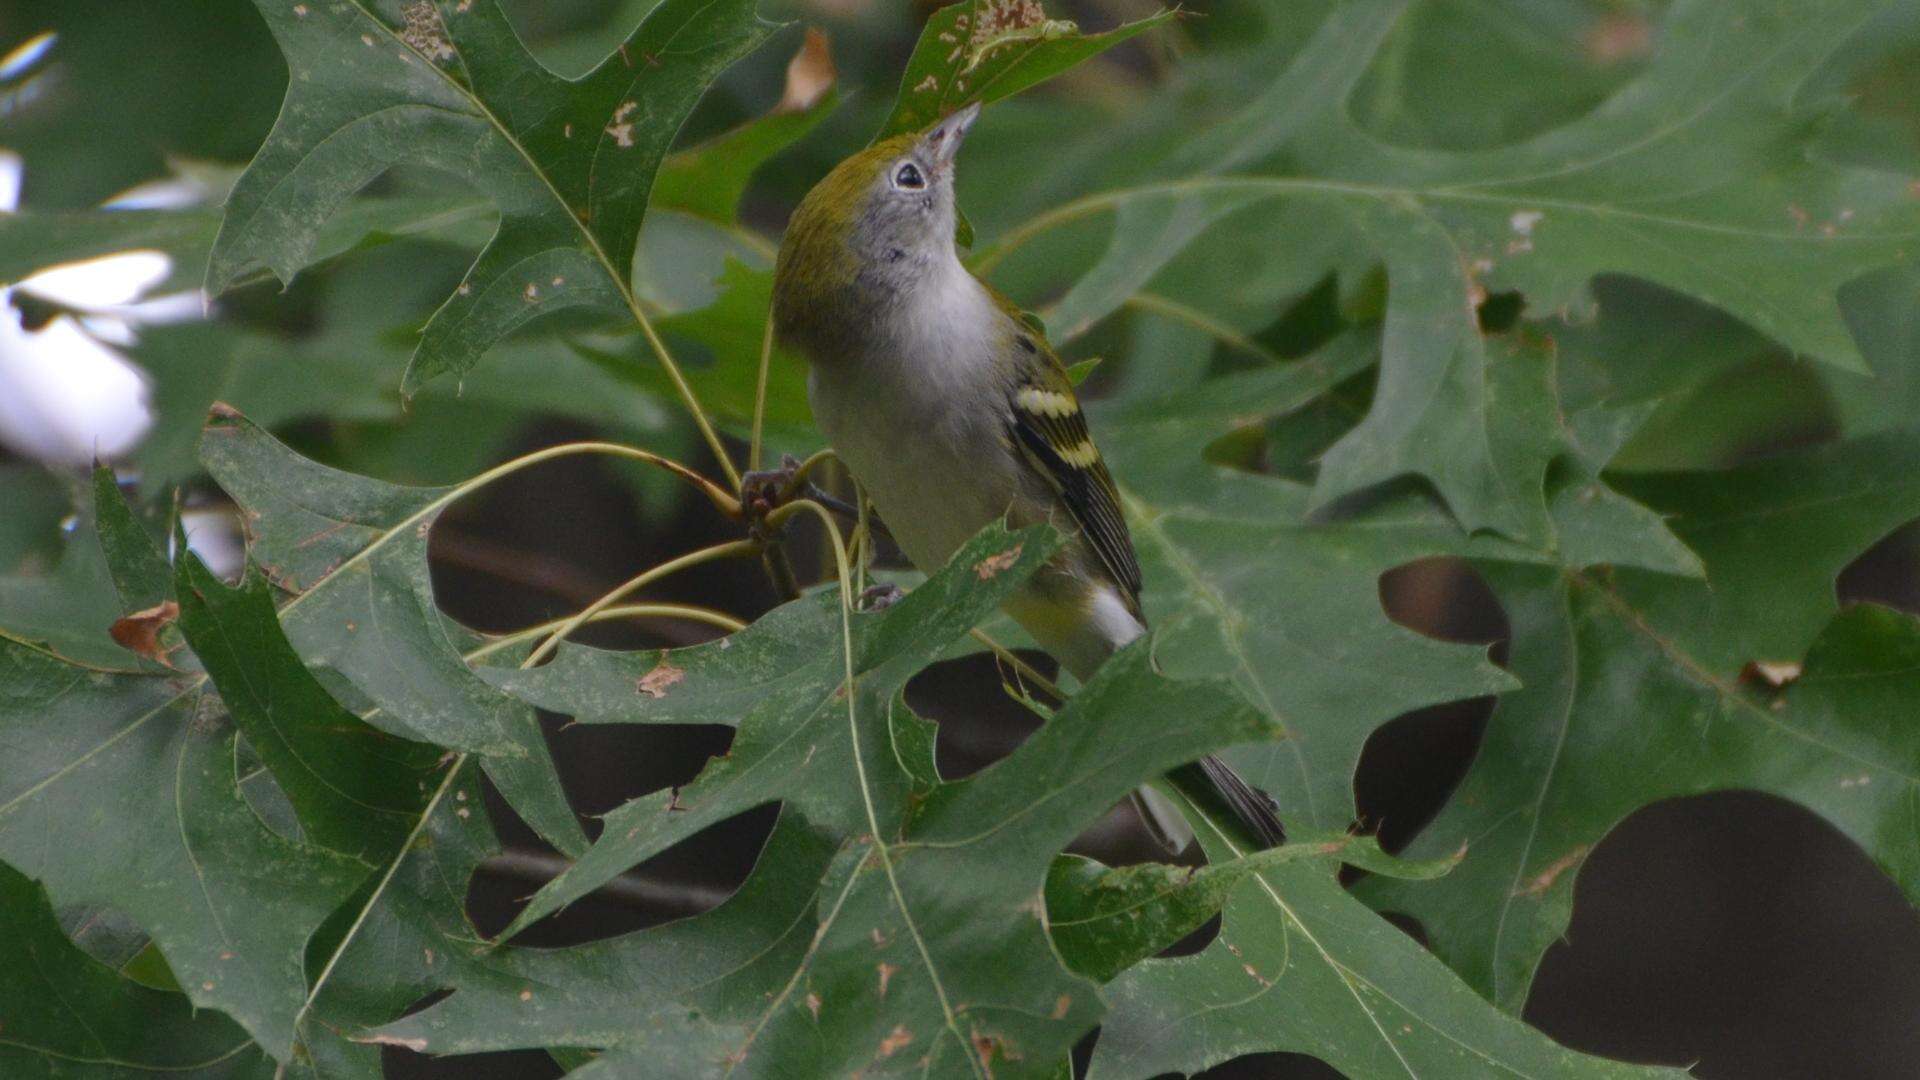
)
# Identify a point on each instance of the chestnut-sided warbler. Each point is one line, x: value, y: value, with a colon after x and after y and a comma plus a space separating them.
x: 952, y: 411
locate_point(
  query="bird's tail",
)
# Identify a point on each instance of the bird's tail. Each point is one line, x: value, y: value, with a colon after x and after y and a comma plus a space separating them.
x: 1253, y: 808
x: 1214, y: 781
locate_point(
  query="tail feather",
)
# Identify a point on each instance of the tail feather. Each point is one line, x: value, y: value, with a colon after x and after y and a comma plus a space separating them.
x: 1255, y: 810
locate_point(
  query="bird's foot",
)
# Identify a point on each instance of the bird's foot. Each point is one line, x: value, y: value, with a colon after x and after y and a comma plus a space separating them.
x: 764, y: 490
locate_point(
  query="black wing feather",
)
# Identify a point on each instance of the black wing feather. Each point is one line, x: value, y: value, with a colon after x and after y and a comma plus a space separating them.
x: 1084, y: 485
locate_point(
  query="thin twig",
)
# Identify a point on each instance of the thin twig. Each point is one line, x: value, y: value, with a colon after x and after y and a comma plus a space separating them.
x: 731, y: 549
x: 689, y: 612
x: 760, y: 395
x: 674, y: 898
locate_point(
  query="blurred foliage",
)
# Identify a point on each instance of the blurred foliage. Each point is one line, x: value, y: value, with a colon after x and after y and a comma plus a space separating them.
x: 1614, y: 300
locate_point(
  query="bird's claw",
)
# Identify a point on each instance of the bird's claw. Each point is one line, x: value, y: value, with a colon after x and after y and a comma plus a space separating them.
x: 764, y: 490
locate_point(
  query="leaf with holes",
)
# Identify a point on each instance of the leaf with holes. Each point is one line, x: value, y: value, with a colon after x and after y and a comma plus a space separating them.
x: 569, y: 163
x: 927, y: 949
x: 1104, y: 920
x: 985, y: 50
x: 782, y: 689
x: 1300, y: 965
x: 118, y: 789
x: 354, y: 552
x: 68, y: 1016
x: 1705, y: 174
x: 355, y: 789
x: 1638, y: 688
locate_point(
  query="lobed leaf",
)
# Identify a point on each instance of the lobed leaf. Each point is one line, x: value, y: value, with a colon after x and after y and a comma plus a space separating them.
x: 569, y: 163
x: 985, y: 50
x: 67, y: 1016
x: 1704, y: 174
x: 1633, y: 692
x: 354, y: 552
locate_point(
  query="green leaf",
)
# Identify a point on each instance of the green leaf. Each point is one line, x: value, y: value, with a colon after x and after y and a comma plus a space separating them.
x: 35, y: 241
x: 1242, y: 583
x: 1535, y: 66
x: 68, y: 611
x: 139, y: 569
x: 1300, y: 965
x: 386, y: 949
x: 928, y: 942
x: 37, y: 501
x: 1633, y: 692
x: 724, y: 367
x: 32, y: 242
x: 354, y: 552
x: 569, y: 163
x: 69, y: 1017
x: 356, y: 790
x: 1149, y: 230
x: 1883, y: 311
x: 1104, y: 920
x: 782, y: 689
x: 985, y: 50
x: 1776, y: 532
x: 637, y: 988
x: 709, y: 179
x: 119, y: 790
x: 1703, y: 175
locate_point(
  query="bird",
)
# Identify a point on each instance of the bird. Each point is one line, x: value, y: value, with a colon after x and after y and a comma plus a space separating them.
x: 951, y: 410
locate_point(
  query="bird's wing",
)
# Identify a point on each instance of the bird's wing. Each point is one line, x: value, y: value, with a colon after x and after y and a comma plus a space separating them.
x: 1051, y: 431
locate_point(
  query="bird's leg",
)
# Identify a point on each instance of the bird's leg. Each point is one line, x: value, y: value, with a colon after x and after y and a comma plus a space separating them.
x: 761, y: 493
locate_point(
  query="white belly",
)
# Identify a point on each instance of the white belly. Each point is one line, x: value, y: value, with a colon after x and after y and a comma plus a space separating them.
x: 919, y: 416
x: 935, y: 474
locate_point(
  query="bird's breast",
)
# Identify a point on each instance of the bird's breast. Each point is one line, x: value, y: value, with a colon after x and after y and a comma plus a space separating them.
x: 919, y: 416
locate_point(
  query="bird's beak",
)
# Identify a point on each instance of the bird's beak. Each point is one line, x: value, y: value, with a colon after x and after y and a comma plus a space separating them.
x: 943, y: 140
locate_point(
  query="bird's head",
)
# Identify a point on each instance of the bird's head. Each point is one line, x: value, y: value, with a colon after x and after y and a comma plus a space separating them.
x: 881, y: 222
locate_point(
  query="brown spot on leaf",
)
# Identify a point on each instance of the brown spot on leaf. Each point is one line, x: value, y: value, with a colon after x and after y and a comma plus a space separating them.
x: 988, y: 1046
x: 423, y: 32
x: 896, y: 1039
x: 140, y: 631
x: 1062, y: 1007
x: 526, y: 995
x: 886, y: 975
x: 1005, y: 16
x: 1544, y: 879
x: 994, y: 565
x: 654, y: 683
x: 1619, y: 37
x: 813, y: 1005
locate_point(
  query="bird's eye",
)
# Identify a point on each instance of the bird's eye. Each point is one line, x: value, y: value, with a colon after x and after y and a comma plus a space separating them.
x: 907, y: 177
